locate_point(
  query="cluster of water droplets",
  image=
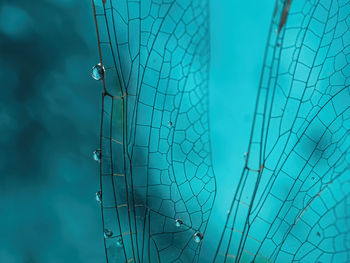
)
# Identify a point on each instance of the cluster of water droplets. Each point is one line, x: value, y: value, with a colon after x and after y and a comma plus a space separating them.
x: 96, y: 155
x: 197, y: 236
x: 98, y: 72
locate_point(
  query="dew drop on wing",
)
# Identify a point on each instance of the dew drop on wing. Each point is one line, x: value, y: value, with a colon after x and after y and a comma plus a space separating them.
x: 97, y: 155
x: 98, y: 196
x: 120, y: 242
x: 107, y: 233
x: 178, y: 222
x: 197, y: 237
x: 98, y: 72
x: 245, y: 155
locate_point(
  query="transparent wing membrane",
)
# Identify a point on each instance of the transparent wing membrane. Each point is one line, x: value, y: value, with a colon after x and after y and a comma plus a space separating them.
x: 157, y: 183
x: 292, y: 202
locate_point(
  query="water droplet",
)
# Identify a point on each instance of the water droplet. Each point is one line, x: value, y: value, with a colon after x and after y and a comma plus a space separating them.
x: 107, y: 233
x: 170, y: 124
x: 98, y: 71
x: 97, y: 155
x: 119, y: 242
x: 197, y: 237
x: 98, y: 196
x: 245, y: 155
x: 178, y: 222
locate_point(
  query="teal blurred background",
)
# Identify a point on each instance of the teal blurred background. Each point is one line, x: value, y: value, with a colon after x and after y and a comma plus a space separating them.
x: 50, y: 115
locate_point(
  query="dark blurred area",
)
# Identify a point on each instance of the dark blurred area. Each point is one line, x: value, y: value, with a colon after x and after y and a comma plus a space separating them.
x: 49, y: 119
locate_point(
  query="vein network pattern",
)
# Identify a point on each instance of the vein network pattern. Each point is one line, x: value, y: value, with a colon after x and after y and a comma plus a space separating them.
x: 157, y: 183
x: 292, y: 203
x: 293, y: 199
